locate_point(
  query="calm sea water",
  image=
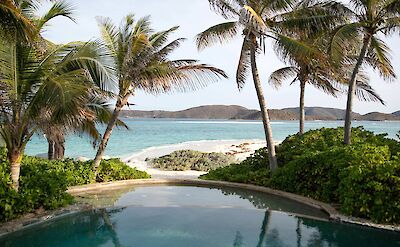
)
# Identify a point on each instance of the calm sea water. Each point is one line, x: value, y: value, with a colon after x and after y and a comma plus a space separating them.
x: 171, y: 216
x: 145, y: 133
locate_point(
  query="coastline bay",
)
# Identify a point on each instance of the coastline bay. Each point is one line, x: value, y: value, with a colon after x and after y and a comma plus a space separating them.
x: 152, y: 133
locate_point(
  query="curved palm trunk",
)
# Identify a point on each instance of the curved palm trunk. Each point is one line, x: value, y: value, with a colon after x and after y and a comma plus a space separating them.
x: 15, y: 158
x: 59, y: 147
x: 298, y: 232
x: 56, y: 145
x: 302, y: 111
x: 273, y: 164
x: 264, y: 229
x: 50, y: 149
x: 352, y: 90
x: 107, y: 134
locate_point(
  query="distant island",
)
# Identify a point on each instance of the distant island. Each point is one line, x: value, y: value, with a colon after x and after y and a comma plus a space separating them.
x: 242, y: 113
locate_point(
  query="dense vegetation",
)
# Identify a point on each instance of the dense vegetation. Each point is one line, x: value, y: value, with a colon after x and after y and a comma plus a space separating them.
x: 184, y: 160
x: 64, y: 89
x: 364, y: 178
x: 44, y: 183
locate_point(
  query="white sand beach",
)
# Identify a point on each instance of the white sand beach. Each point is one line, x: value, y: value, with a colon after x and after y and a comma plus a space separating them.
x: 240, y: 149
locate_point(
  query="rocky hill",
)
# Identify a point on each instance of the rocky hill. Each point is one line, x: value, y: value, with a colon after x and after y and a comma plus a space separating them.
x: 378, y: 116
x: 397, y: 113
x: 239, y: 112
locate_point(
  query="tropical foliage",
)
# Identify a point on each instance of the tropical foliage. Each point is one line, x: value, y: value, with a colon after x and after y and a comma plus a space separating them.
x: 61, y: 89
x: 141, y: 62
x: 257, y: 21
x: 369, y: 22
x: 317, y: 70
x: 44, y: 183
x: 53, y: 86
x: 363, y: 178
x: 45, y: 85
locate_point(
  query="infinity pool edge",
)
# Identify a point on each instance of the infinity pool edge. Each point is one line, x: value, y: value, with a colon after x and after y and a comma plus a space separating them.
x: 25, y: 222
x: 334, y: 215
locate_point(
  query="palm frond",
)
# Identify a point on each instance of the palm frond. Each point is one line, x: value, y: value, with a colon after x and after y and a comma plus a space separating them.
x: 165, y: 51
x: 14, y: 24
x: 244, y: 65
x: 291, y: 50
x: 59, y: 8
x: 220, y: 33
x: 227, y: 8
x: 158, y: 39
x: 162, y: 77
x: 366, y: 93
x: 311, y: 17
x: 379, y: 58
x: 109, y: 34
x: 142, y: 26
x: 340, y: 38
x: 277, y: 77
x: 391, y: 26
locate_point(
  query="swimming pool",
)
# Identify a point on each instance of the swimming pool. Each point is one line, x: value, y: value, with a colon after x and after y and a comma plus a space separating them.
x: 196, y: 216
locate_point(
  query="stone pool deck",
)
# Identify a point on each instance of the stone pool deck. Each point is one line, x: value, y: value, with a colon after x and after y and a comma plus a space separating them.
x: 32, y: 219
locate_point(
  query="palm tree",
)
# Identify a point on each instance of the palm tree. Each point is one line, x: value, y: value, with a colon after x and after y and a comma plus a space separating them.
x: 370, y: 19
x: 257, y: 20
x: 141, y: 62
x: 55, y: 132
x: 35, y: 85
x: 318, y: 71
x: 314, y: 70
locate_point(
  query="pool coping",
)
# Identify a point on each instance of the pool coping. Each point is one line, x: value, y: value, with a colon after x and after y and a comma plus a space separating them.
x: 334, y: 215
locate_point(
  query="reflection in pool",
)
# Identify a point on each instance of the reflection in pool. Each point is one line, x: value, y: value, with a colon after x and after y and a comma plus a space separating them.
x: 192, y: 216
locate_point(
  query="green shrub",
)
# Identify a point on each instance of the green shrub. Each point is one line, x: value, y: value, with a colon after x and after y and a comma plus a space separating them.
x: 76, y: 172
x: 253, y: 170
x: 184, y: 160
x: 80, y: 173
x: 317, y: 174
x: 372, y: 190
x: 39, y: 187
x: 363, y: 178
x: 115, y: 169
x: 9, y: 198
x: 43, y: 183
x: 326, y: 138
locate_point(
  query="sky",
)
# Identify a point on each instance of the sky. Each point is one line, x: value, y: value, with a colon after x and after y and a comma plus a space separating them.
x: 194, y: 16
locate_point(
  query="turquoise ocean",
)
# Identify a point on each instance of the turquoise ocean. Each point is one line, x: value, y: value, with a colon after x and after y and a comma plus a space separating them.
x: 146, y: 133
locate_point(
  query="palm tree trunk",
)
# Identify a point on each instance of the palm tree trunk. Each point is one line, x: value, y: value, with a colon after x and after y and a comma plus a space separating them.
x: 273, y: 164
x: 15, y: 158
x: 302, y: 111
x: 107, y: 134
x: 56, y: 143
x: 50, y: 149
x: 352, y: 90
x: 264, y: 229
x: 298, y: 232
x: 59, y: 147
x: 59, y: 150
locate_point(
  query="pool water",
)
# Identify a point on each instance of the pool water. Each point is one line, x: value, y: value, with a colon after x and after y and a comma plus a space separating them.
x: 175, y: 216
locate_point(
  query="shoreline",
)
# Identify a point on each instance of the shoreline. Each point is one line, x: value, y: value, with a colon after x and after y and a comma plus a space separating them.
x: 239, y: 149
